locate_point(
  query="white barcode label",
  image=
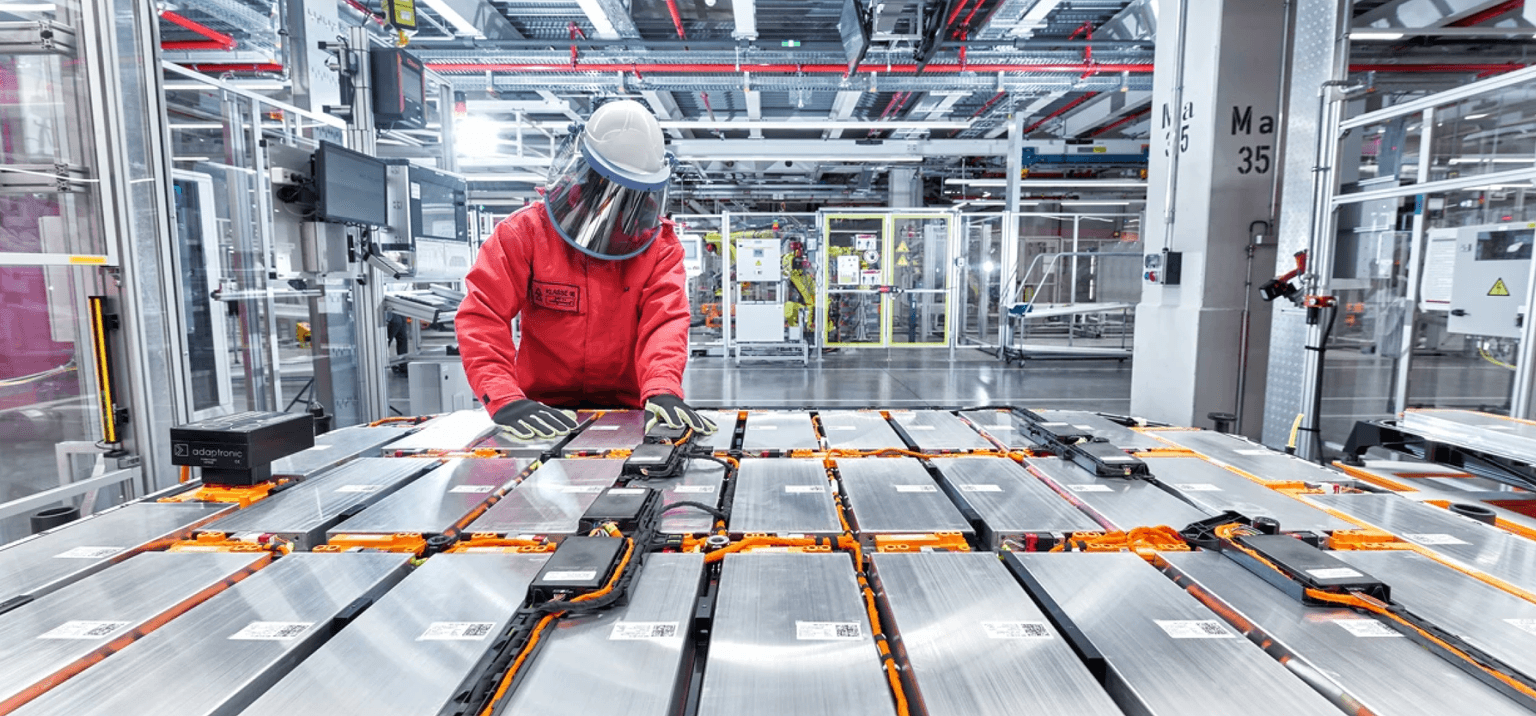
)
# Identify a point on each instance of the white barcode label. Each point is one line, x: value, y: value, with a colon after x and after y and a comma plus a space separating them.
x: 271, y: 631
x: 999, y: 427
x: 457, y: 631
x: 629, y: 631
x: 627, y: 491
x: 1334, y: 573
x: 842, y: 427
x: 907, y: 537
x: 919, y: 427
x: 1090, y: 488
x: 1255, y: 451
x: 1196, y: 487
x: 1194, y: 629
x: 1434, y: 539
x: 980, y: 488
x: 1084, y: 428
x: 579, y: 488
x: 686, y: 489
x: 802, y: 489
x: 83, y: 630
x: 88, y: 553
x: 1366, y: 628
x: 828, y: 631
x: 1526, y: 625
x: 358, y: 488
x: 917, y: 488
x: 473, y: 488
x: 762, y: 427
x: 603, y: 427
x: 1016, y: 630
x: 573, y: 576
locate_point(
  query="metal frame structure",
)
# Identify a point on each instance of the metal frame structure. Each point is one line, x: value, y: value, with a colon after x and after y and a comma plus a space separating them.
x: 888, y: 252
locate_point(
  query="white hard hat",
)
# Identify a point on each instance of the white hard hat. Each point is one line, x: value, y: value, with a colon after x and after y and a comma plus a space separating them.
x: 607, y: 185
x: 626, y: 137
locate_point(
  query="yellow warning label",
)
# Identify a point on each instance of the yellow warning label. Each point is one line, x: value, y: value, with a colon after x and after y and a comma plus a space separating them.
x: 901, y: 261
x: 901, y: 249
x: 89, y: 260
x: 1499, y: 289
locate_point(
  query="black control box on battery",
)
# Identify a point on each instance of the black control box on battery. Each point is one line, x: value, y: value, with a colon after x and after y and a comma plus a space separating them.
x: 238, y: 450
x: 1308, y: 567
x: 578, y: 566
x: 623, y: 506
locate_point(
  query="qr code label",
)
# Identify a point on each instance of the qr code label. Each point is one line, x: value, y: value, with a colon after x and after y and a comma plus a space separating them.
x: 88, y: 553
x: 631, y: 631
x: 828, y: 631
x: 1434, y: 539
x: 271, y: 631
x: 477, y: 489
x: 981, y: 488
x: 457, y: 631
x: 574, y: 576
x: 1334, y: 573
x: 917, y: 488
x: 1016, y: 630
x: 1196, y: 487
x: 1526, y: 625
x: 804, y: 489
x: 686, y: 489
x: 1195, y: 629
x: 1366, y: 628
x: 358, y: 488
x: 83, y: 630
x: 1090, y: 488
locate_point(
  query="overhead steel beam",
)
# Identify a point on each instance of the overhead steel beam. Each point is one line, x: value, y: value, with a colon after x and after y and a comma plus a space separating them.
x: 664, y: 106
x: 755, y: 111
x: 1018, y: 18
x: 843, y: 107
x: 1138, y: 21
x: 610, y: 19
x: 569, y: 111
x: 475, y: 18
x: 1422, y: 13
x: 1103, y: 108
x: 745, y: 13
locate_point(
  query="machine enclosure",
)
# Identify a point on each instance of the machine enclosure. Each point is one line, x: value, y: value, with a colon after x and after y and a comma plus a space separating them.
x: 239, y: 449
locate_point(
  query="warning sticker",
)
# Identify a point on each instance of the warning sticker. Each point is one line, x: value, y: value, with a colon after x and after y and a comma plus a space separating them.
x: 1016, y: 630
x: 586, y: 575
x: 457, y: 631
x: 1196, y: 487
x: 629, y: 631
x: 1195, y: 629
x: 828, y: 631
x: 1090, y: 488
x: 1334, y: 573
x: 684, y: 489
x: 917, y: 488
x: 83, y: 630
x: 803, y: 489
x: 981, y: 488
x: 1499, y: 289
x: 473, y: 488
x: 1526, y: 625
x: 1366, y: 628
x: 88, y: 553
x: 271, y: 631
x: 1434, y: 538
x: 358, y: 488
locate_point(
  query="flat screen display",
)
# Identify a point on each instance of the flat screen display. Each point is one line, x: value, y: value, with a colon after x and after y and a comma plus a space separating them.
x: 351, y: 186
x: 439, y: 205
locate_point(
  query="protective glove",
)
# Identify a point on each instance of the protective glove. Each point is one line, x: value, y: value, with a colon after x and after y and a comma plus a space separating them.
x: 672, y: 412
x: 528, y: 419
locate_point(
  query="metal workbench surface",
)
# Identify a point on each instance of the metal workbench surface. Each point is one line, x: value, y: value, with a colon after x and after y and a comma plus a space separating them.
x: 701, y: 481
x: 627, y: 660
x: 305, y: 511
x: 1001, y: 425
x: 336, y: 447
x: 775, y: 431
x: 897, y: 495
x: 938, y: 431
x: 1357, y: 661
x: 42, y: 563
x: 1115, y: 503
x: 1467, y: 542
x: 1167, y: 654
x: 1216, y: 488
x: 977, y: 645
x: 47, y: 641
x: 1007, y: 499
x: 858, y: 430
x: 410, y: 653
x: 1492, y: 434
x: 439, y: 501
x: 725, y: 433
x: 1250, y: 457
x: 217, y: 658
x: 454, y: 431
x: 792, y: 636
x: 783, y: 496
x: 552, y: 500
x: 616, y: 430
x: 1101, y: 427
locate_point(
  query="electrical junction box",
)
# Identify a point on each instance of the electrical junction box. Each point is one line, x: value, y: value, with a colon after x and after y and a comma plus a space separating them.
x: 1488, y: 288
x: 758, y: 260
x: 1165, y: 267
x: 239, y: 449
x: 579, y: 565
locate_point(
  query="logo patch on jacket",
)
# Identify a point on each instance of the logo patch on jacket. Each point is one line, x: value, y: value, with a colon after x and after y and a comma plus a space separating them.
x: 557, y: 296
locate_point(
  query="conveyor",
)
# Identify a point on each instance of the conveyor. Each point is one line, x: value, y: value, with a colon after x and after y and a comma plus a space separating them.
x: 1250, y: 457
x: 939, y: 432
x: 1166, y: 654
x: 1357, y: 661
x: 792, y: 636
x: 220, y: 656
x: 336, y: 447
x: 1513, y: 507
x: 772, y: 433
x: 1003, y: 426
x: 59, y: 635
x: 552, y: 500
x: 1115, y: 503
x: 616, y: 430
x: 438, y: 503
x: 783, y: 497
x: 702, y: 481
x: 455, y: 431
x: 625, y: 661
x: 1103, y: 428
x: 897, y: 496
x: 1216, y: 489
x: 977, y: 645
x: 411, y: 653
x: 1007, y: 500
x: 858, y: 430
x: 725, y: 433
x: 40, y: 564
x: 303, y: 513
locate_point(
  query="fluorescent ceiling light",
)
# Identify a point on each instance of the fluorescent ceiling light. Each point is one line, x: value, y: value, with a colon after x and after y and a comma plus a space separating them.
x: 459, y: 22
x: 196, y: 125
x: 28, y: 7
x: 1374, y: 35
x: 1493, y: 160
x: 1479, y: 115
x: 1094, y: 203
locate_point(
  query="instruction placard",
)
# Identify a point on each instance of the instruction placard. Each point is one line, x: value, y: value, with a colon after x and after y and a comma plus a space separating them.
x: 848, y: 270
x: 83, y: 630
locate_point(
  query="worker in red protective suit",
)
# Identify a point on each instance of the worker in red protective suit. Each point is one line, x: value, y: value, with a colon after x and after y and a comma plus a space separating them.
x: 597, y: 275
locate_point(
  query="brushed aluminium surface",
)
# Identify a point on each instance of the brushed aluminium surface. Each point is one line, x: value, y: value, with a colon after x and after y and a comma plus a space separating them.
x: 582, y: 669
x: 701, y: 481
x: 1116, y: 504
x: 725, y: 433
x: 454, y: 431
x: 305, y: 511
x: 1117, y: 600
x: 759, y: 666
x: 1250, y: 457
x: 206, y: 662
x: 1002, y: 426
x: 1386, y: 673
x: 380, y: 664
x: 46, y: 641
x: 1101, y: 427
x: 336, y: 447
x: 939, y: 431
x: 1007, y: 499
x: 1215, y: 488
x: 616, y: 430
x: 858, y: 430
x: 508, y: 446
x: 1492, y: 434
x: 551, y: 500
x: 439, y: 501
x: 52, y: 559
x: 771, y: 431
x: 783, y: 496
x: 897, y: 495
x: 949, y: 608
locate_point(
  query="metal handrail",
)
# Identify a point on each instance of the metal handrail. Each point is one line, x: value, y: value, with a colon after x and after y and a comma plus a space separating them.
x: 1051, y: 267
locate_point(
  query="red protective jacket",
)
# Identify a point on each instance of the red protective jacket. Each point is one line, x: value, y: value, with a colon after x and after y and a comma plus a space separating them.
x: 594, y: 332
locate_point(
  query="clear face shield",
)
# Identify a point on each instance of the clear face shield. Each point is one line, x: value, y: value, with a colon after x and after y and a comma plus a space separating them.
x: 598, y: 210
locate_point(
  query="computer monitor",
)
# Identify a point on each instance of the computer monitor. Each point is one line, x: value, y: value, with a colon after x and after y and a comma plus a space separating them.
x: 350, y: 187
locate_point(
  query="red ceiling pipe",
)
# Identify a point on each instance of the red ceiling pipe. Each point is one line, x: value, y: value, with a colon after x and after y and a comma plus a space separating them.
x: 222, y: 67
x: 1119, y: 122
x: 677, y: 19
x: 1479, y: 18
x: 1086, y: 96
x: 988, y: 105
x: 731, y: 69
x: 355, y: 5
x: 956, y: 12
x: 967, y: 21
x: 215, y: 40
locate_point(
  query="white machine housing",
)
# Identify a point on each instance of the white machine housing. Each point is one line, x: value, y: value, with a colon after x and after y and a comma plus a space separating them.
x: 1490, y: 277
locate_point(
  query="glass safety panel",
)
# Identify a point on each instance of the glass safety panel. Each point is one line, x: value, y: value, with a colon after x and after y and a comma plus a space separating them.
x: 981, y: 272
x: 854, y: 265
x: 919, y: 268
x: 702, y: 242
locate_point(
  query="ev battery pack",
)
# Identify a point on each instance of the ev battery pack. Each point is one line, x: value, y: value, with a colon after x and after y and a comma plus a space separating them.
x: 506, y: 445
x: 1492, y: 434
x: 1003, y: 426
x: 48, y: 641
x: 778, y: 432
x: 792, y: 636
x: 1104, y: 429
x: 616, y: 430
x: 1217, y: 489
x: 897, y: 495
x: 783, y: 496
x: 858, y: 430
x: 701, y: 481
x: 952, y: 607
x: 413, y: 651
x: 552, y: 500
x: 1165, y: 653
x: 52, y: 559
x: 439, y: 502
x: 454, y: 431
x: 1008, y: 500
x: 303, y: 513
x: 217, y: 658
x: 725, y: 430
x: 937, y: 431
x: 1359, y: 662
x: 1249, y: 457
x: 1115, y: 503
x: 336, y: 447
x: 624, y: 660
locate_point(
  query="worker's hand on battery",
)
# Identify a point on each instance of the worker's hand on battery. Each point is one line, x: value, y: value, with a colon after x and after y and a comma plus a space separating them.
x: 671, y: 411
x: 528, y: 419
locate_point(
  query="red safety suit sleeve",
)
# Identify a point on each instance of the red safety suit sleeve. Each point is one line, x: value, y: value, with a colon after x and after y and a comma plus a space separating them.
x: 496, y: 286
x: 662, y: 349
